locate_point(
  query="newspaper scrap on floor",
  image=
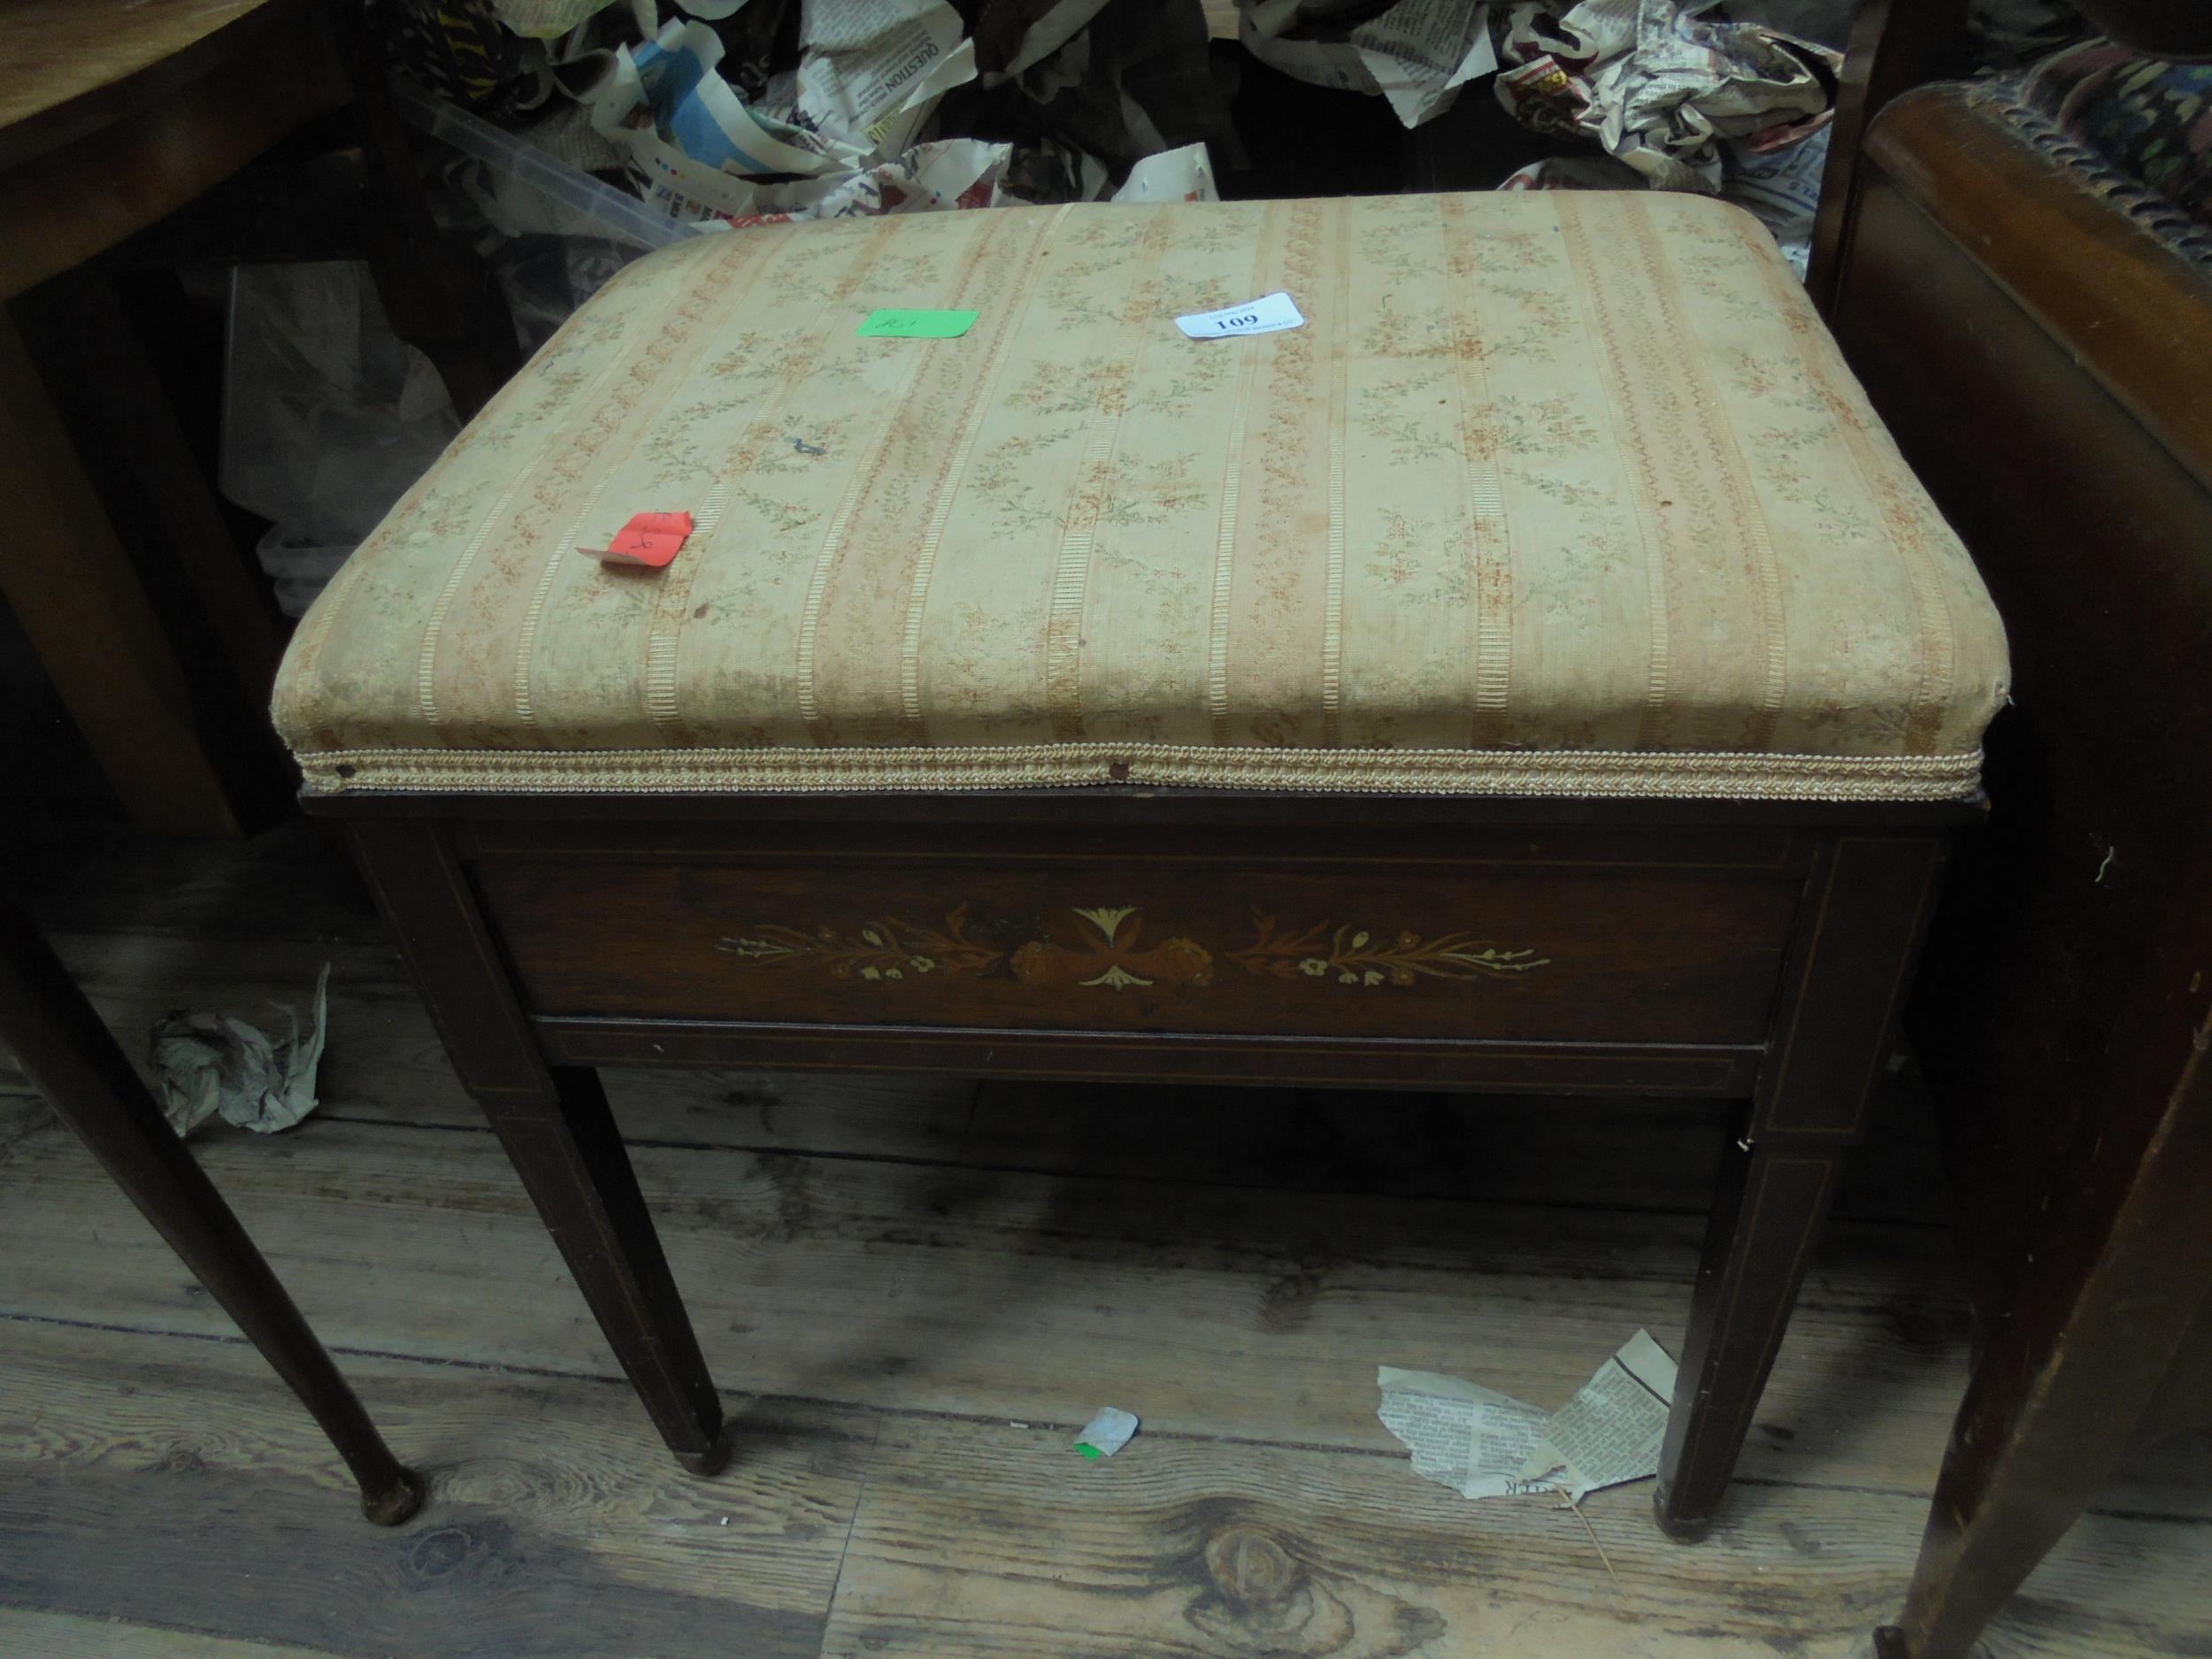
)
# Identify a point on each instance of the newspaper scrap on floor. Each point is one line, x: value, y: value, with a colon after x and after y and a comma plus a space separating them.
x: 1106, y: 1432
x: 1612, y: 1430
x: 1484, y: 1444
x: 209, y: 1066
x: 1462, y: 1435
x: 1661, y: 84
x: 1417, y: 54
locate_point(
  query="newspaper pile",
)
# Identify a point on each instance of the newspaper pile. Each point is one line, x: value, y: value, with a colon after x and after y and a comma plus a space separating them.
x: 1663, y: 86
x: 828, y: 137
x: 1728, y: 97
x: 739, y: 112
x: 718, y: 112
x: 1679, y: 95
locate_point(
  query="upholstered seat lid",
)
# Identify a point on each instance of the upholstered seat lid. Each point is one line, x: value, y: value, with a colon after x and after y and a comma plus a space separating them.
x: 1552, y: 493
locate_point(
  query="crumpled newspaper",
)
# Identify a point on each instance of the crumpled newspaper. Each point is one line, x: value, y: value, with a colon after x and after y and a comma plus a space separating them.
x: 951, y: 173
x: 834, y: 137
x: 1662, y: 84
x: 1417, y: 54
x: 211, y: 1065
x: 868, y: 74
x: 1780, y: 187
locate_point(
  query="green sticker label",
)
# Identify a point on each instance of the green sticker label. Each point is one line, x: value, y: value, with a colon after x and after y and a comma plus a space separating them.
x: 913, y: 325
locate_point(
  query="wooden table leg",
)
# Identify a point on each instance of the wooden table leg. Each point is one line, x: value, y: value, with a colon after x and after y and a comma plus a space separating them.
x: 110, y: 395
x: 70, y: 583
x: 1858, y: 934
x: 2068, y: 1377
x: 72, y: 1061
x: 556, y: 1130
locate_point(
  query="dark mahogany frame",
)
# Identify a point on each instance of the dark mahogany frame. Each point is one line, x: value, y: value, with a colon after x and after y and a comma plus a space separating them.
x: 1860, y: 881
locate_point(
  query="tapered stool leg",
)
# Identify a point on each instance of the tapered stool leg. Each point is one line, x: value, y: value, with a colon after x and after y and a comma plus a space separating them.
x: 556, y: 1128
x: 71, y: 1059
x: 1866, y: 905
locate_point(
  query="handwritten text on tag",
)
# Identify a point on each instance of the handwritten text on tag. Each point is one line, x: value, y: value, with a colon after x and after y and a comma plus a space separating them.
x: 649, y: 538
x: 1258, y: 317
x: 904, y: 323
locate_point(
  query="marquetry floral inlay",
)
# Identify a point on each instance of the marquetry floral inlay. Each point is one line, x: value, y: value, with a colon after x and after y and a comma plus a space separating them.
x: 888, y: 949
x: 1353, y: 955
x: 1111, y: 953
x: 1108, y: 951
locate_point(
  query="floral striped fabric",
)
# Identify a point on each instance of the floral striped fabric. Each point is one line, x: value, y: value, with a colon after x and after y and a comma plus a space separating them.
x: 1552, y: 492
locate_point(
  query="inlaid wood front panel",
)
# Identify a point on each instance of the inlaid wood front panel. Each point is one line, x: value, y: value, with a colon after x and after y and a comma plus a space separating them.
x: 1549, y: 952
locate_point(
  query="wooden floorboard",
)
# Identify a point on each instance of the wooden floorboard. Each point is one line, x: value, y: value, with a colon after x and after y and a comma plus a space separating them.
x: 175, y: 1483
x: 977, y: 1540
x: 912, y: 1291
x: 28, y: 1633
x: 1008, y: 1293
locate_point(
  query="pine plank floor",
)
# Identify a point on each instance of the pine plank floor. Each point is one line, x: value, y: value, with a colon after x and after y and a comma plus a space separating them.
x: 912, y: 1293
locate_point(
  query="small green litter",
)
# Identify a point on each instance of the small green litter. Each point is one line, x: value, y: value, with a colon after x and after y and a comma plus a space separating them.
x: 1106, y: 1433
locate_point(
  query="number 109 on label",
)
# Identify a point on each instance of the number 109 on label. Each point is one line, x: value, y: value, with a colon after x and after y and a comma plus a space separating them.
x: 1256, y: 317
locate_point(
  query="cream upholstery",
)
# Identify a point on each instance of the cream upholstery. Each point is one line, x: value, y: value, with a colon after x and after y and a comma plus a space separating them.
x: 1554, y: 492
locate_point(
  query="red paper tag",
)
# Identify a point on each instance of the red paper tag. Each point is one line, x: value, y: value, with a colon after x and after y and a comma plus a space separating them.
x: 649, y: 538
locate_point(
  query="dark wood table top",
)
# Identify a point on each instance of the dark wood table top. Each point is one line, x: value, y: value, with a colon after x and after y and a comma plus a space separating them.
x: 114, y: 113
